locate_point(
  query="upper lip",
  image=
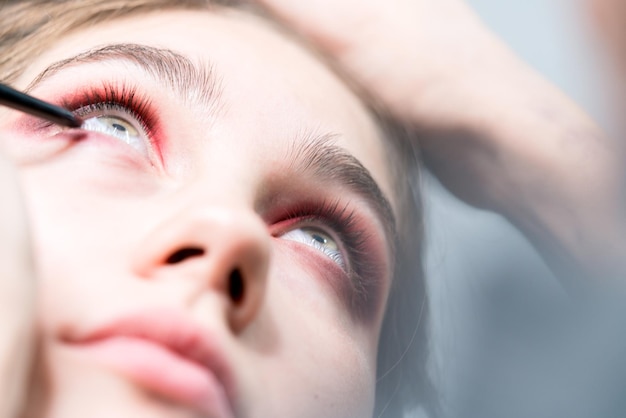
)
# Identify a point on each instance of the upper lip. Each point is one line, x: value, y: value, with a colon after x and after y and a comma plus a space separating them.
x: 176, y: 332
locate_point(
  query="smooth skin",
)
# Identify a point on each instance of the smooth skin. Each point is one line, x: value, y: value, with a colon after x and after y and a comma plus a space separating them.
x: 502, y: 109
x: 106, y: 218
x: 498, y: 135
x: 17, y: 302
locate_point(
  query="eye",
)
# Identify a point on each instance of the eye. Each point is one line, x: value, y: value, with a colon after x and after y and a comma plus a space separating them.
x: 118, y: 127
x: 318, y: 239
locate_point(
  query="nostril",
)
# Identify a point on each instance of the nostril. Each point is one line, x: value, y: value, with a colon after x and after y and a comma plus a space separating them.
x: 183, y: 254
x: 236, y: 286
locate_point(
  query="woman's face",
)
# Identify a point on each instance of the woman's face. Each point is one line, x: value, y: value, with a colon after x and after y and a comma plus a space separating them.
x: 216, y: 241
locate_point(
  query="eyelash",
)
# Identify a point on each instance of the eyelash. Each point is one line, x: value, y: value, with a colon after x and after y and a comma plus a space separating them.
x: 342, y: 222
x: 121, y: 98
x: 338, y: 218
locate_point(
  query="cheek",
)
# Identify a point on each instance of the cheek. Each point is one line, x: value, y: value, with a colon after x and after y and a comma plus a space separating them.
x: 83, y: 201
x: 305, y: 283
x: 67, y: 217
x: 78, y: 245
x: 326, y: 364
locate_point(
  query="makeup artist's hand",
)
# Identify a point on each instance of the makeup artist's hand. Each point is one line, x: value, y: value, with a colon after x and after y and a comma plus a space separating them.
x: 494, y: 132
x: 16, y: 296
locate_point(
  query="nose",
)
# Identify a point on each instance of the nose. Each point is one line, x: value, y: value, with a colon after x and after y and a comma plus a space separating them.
x: 223, y: 250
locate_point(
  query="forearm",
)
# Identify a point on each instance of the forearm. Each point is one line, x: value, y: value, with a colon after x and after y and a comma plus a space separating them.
x: 496, y: 133
x: 527, y: 152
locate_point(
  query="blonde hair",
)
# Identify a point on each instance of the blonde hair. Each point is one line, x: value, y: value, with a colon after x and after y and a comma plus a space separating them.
x: 29, y: 27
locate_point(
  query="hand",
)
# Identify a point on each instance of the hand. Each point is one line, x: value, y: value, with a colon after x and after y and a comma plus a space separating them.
x: 495, y: 133
x: 434, y: 67
x: 400, y: 51
x: 16, y: 296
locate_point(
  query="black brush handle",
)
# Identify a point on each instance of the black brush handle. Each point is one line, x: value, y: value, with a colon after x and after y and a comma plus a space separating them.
x: 28, y: 104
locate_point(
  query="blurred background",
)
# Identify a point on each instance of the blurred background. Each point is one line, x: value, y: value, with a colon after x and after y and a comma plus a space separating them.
x: 498, y: 348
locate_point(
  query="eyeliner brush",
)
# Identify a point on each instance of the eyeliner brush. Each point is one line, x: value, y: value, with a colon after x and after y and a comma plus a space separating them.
x: 28, y: 104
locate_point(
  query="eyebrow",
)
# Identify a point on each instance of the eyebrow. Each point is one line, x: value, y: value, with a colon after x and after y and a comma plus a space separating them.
x: 319, y: 156
x: 195, y: 83
x: 198, y: 84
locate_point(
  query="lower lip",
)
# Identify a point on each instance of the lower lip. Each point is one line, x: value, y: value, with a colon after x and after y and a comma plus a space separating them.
x: 162, y: 372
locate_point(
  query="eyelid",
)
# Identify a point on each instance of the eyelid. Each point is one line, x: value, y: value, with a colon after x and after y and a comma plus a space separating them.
x: 336, y: 219
x: 343, y: 260
x: 123, y: 128
x: 366, y: 273
x: 125, y: 101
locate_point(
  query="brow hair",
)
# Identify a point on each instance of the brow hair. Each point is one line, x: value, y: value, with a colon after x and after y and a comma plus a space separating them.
x: 319, y: 154
x: 28, y: 28
x: 196, y: 83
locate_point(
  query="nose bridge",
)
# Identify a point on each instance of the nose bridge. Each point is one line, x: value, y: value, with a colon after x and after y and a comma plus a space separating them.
x: 222, y: 248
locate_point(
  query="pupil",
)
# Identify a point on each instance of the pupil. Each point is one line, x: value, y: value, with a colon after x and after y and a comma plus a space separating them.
x: 119, y: 127
x: 319, y: 239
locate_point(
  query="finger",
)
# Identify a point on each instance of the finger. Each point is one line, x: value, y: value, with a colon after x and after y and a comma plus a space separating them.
x: 16, y: 296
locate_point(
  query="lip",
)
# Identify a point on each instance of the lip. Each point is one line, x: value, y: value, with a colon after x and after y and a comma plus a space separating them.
x: 168, y: 354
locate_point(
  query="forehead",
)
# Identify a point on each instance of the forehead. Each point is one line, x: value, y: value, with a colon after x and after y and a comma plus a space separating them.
x: 270, y: 84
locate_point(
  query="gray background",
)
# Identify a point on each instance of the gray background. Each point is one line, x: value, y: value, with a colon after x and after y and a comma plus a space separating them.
x: 483, y: 276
